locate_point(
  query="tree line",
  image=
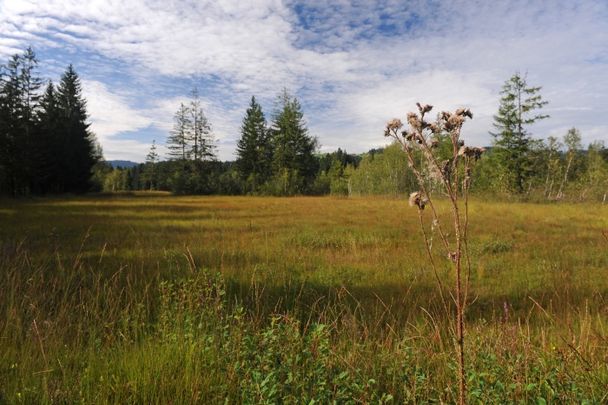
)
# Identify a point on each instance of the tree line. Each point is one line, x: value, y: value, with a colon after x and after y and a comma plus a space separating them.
x: 46, y: 146
x: 281, y: 159
x: 277, y: 158
x: 515, y: 165
x: 45, y: 142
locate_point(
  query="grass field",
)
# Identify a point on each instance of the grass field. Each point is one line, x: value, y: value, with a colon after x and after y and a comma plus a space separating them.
x: 160, y: 299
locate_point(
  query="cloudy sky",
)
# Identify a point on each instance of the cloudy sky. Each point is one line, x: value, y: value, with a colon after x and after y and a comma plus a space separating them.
x: 353, y: 65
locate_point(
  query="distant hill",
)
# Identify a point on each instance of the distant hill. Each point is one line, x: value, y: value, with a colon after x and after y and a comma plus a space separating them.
x: 122, y: 163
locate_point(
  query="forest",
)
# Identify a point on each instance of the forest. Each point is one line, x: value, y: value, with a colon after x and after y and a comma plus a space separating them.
x: 49, y: 148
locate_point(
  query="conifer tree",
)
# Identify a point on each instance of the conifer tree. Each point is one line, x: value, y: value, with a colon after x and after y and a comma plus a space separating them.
x: 201, y: 137
x: 254, y: 153
x: 77, y: 143
x: 293, y: 149
x: 518, y: 109
x: 10, y: 128
x: 178, y: 141
x: 48, y: 143
x: 150, y: 166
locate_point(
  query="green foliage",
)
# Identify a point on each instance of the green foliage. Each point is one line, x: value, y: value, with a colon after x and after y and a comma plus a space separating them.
x: 191, y: 138
x: 150, y: 172
x: 202, y: 142
x: 254, y: 149
x: 384, y: 173
x: 294, y: 164
x: 512, y: 140
x: 595, y: 179
x: 178, y: 142
x: 45, y: 143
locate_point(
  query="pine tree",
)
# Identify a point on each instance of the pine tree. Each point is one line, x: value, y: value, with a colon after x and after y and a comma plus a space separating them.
x: 77, y: 142
x: 178, y: 141
x: 254, y: 153
x: 30, y: 84
x: 10, y: 128
x: 48, y: 149
x: 517, y: 110
x: 150, y: 166
x: 203, y: 143
x: 293, y: 149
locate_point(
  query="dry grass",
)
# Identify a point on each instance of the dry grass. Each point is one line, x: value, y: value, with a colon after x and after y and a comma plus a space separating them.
x: 88, y: 271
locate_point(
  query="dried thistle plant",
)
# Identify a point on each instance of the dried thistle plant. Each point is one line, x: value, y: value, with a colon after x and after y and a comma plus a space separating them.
x: 452, y: 176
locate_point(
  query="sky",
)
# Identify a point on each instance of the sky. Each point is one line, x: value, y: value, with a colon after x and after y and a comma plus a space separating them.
x: 353, y: 65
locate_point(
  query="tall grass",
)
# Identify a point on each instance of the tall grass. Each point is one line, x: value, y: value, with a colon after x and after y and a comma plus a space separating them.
x: 262, y: 300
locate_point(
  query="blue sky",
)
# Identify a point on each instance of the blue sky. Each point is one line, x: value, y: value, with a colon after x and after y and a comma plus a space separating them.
x: 353, y: 65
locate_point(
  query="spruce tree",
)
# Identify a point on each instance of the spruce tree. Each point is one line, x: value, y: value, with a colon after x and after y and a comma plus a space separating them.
x: 10, y: 128
x: 150, y: 167
x: 294, y: 163
x: 201, y: 137
x: 48, y: 150
x: 517, y: 110
x: 178, y: 142
x: 254, y: 153
x: 77, y: 142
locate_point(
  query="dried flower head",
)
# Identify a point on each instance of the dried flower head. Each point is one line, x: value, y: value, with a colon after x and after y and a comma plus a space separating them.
x: 424, y: 108
x: 470, y: 152
x: 464, y: 112
x: 394, y: 124
x: 454, y: 122
x: 452, y: 256
x: 414, y: 121
x: 418, y: 200
x: 446, y: 167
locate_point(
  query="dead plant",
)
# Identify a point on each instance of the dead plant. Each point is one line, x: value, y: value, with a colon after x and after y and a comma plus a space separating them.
x: 451, y: 175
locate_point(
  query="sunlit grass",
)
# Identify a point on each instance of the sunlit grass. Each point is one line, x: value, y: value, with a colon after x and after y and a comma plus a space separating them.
x: 87, y: 270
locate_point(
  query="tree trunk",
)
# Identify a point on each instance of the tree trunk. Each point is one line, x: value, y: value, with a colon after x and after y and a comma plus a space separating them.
x: 560, y: 194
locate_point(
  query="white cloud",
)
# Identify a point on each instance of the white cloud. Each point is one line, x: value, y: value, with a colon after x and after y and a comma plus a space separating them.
x: 110, y: 112
x: 354, y: 65
x: 111, y: 115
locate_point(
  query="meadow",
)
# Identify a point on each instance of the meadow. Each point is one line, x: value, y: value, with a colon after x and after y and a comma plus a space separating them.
x: 152, y: 298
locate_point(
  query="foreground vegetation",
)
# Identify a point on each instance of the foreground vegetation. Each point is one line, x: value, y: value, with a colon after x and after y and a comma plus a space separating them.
x: 149, y: 298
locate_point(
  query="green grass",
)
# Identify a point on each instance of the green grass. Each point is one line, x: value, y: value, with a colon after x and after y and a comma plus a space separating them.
x: 116, y: 299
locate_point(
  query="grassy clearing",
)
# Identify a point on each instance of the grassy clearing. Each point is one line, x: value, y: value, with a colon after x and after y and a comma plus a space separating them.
x: 117, y: 299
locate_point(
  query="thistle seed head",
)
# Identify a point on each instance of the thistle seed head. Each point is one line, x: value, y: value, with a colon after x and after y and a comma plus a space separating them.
x: 470, y: 152
x: 424, y: 108
x: 394, y: 124
x: 418, y: 200
x: 464, y: 112
x: 414, y: 121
